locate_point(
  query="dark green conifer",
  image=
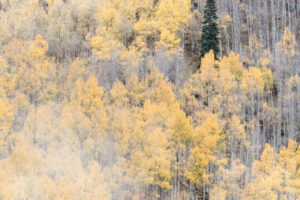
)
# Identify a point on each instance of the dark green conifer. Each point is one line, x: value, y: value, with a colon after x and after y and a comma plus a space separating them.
x: 210, y: 31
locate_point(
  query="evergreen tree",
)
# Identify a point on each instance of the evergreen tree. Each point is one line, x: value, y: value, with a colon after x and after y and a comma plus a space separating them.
x: 210, y: 31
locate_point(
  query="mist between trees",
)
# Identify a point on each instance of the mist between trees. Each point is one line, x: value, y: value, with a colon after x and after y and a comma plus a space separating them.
x: 106, y: 99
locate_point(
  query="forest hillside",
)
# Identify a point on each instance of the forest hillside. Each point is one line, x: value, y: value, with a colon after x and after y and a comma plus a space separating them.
x: 150, y: 99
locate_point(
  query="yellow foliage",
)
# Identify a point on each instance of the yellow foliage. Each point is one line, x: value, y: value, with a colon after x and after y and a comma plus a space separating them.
x: 226, y: 82
x: 181, y: 128
x: 265, y: 62
x: 76, y: 71
x: 225, y: 20
x: 266, y: 177
x: 237, y: 130
x: 293, y: 82
x: 6, y: 116
x: 24, y: 160
x: 92, y: 99
x: 256, y: 44
x: 77, y: 122
x: 253, y: 83
x: 38, y: 48
x: 168, y: 41
x: 208, y: 70
x: 88, y: 95
x: 234, y: 64
x: 135, y: 90
x: 173, y: 14
x: 104, y: 46
x: 119, y: 94
x: 230, y: 184
x: 158, y: 89
x: 208, y: 143
x: 268, y: 79
x: 288, y: 43
x: 145, y: 28
x: 109, y: 15
x: 267, y: 162
x: 7, y: 80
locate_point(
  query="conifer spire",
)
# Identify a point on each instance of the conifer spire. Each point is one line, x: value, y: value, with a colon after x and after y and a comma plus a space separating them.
x: 210, y: 31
